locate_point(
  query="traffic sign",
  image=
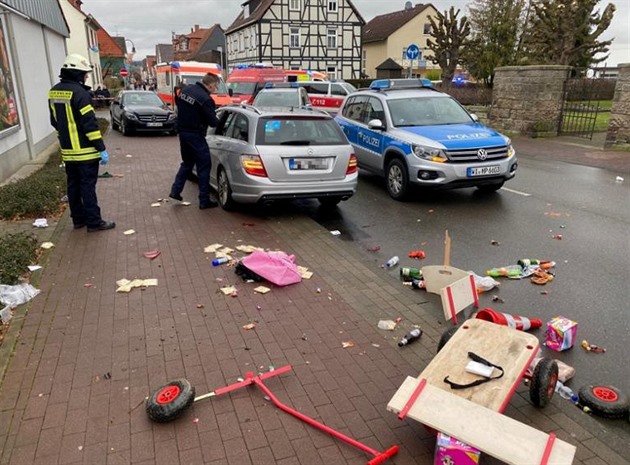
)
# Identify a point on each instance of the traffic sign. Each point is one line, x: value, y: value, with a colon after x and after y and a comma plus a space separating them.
x: 124, y: 72
x: 412, y: 52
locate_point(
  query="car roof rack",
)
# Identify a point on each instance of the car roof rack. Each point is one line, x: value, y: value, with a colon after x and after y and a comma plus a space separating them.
x: 398, y: 84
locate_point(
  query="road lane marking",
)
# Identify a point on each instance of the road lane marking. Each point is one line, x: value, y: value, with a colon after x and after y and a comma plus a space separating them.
x: 524, y: 194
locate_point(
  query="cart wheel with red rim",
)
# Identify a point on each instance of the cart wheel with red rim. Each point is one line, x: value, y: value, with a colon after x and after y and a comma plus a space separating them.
x: 170, y: 401
x: 605, y: 401
x: 543, y: 382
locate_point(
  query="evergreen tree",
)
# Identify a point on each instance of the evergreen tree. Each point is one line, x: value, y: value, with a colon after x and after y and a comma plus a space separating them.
x: 566, y: 32
x: 496, y: 26
x: 449, y: 40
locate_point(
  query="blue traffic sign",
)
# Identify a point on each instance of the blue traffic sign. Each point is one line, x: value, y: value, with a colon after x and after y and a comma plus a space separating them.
x: 412, y: 52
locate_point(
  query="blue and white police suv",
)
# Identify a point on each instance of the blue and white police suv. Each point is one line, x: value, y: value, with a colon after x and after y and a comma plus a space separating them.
x: 411, y: 133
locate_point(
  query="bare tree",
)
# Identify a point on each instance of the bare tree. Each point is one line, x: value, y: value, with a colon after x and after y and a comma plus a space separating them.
x: 566, y: 32
x: 449, y: 38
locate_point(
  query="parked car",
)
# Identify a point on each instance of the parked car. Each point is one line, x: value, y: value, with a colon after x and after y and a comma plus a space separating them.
x: 264, y: 155
x: 283, y: 94
x: 141, y: 111
x: 327, y: 95
x: 411, y: 133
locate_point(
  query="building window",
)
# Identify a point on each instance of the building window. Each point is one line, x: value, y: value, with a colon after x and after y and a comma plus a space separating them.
x: 331, y: 36
x: 364, y: 61
x: 332, y: 72
x: 295, y: 5
x: 427, y: 29
x: 294, y: 41
x: 332, y: 6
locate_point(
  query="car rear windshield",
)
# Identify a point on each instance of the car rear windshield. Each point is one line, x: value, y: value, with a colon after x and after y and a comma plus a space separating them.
x: 427, y: 111
x: 283, y: 98
x: 299, y: 131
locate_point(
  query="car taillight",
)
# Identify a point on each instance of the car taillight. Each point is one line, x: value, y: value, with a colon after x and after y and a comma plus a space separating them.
x: 352, y: 164
x: 252, y: 164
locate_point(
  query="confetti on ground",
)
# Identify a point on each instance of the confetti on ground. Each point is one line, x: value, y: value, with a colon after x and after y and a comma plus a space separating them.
x: 129, y: 232
x: 262, y: 289
x: 249, y: 326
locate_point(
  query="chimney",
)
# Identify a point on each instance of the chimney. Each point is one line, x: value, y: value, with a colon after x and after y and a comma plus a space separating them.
x: 196, y: 27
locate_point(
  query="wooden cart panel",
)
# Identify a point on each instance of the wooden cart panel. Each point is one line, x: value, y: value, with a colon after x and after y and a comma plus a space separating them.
x: 510, y: 349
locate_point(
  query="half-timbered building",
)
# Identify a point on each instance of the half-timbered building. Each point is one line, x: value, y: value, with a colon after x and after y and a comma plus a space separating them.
x: 320, y: 35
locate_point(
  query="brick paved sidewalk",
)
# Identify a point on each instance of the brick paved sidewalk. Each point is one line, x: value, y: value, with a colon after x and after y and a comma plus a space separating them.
x: 56, y: 405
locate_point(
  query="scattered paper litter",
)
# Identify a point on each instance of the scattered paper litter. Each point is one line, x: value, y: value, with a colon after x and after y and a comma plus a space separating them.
x: 128, y: 232
x: 262, y: 289
x: 40, y: 223
x: 249, y: 326
x: 124, y: 285
x: 47, y: 245
x: 247, y: 248
x: 6, y: 314
x: 128, y: 155
x: 34, y: 267
x: 156, y: 204
x: 225, y: 251
x: 152, y: 254
x: 304, y: 273
x: 619, y: 179
x: 186, y: 204
x: 387, y: 325
x: 335, y: 232
x: 228, y: 290
x: 346, y: 345
x: 212, y: 248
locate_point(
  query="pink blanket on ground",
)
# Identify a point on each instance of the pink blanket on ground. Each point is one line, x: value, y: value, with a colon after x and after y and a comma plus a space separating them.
x: 276, y: 267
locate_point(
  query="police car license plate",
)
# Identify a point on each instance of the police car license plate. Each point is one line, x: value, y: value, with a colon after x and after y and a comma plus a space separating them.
x: 483, y: 171
x: 154, y: 125
x: 307, y: 164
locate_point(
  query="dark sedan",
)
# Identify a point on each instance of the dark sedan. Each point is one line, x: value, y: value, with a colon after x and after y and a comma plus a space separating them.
x: 141, y: 111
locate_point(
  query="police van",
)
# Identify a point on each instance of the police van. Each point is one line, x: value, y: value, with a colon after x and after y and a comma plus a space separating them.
x: 412, y: 134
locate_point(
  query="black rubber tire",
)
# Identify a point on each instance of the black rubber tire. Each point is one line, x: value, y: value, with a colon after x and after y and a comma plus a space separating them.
x: 489, y: 188
x: 446, y: 336
x: 329, y: 202
x: 224, y: 190
x: 170, y: 401
x: 605, y: 401
x: 397, y: 179
x: 543, y: 383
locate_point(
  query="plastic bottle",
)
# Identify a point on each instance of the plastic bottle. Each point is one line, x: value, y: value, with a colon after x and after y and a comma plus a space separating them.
x: 566, y: 392
x: 410, y: 272
x: 512, y: 271
x: 219, y: 261
x: 392, y: 262
x: 411, y: 336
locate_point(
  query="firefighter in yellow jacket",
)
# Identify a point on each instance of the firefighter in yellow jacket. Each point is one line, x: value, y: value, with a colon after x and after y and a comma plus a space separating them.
x: 81, y: 142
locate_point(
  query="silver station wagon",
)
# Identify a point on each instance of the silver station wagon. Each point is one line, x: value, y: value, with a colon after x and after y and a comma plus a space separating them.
x: 264, y: 155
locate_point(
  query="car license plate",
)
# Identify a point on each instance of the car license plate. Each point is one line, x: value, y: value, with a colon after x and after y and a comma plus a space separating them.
x: 307, y: 164
x: 484, y: 170
x: 154, y: 125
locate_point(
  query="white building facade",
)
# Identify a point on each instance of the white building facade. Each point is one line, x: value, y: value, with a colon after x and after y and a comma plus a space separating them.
x: 317, y: 35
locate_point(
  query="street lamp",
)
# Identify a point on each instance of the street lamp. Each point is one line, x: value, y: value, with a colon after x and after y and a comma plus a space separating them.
x: 129, y: 60
x: 220, y: 49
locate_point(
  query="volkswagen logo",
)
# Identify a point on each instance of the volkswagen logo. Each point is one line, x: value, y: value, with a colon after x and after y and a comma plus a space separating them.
x: 482, y: 154
x: 310, y: 151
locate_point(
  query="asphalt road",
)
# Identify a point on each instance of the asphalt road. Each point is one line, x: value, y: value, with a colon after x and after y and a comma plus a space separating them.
x: 585, y: 205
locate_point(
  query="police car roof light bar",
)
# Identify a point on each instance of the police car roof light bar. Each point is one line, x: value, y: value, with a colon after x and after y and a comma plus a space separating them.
x: 392, y: 84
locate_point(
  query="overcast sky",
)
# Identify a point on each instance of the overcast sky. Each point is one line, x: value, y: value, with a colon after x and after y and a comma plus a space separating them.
x: 150, y: 22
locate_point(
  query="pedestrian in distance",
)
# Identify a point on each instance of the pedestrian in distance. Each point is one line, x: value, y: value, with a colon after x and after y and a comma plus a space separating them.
x: 195, y: 112
x: 80, y: 140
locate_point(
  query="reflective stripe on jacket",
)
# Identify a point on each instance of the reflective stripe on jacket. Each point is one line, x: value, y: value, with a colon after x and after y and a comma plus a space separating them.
x: 72, y: 115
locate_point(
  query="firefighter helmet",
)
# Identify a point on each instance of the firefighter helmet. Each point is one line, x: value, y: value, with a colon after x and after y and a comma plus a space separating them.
x: 78, y: 62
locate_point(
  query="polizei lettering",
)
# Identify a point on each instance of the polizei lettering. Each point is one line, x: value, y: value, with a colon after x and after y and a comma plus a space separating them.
x: 187, y: 98
x: 369, y: 140
x: 474, y: 135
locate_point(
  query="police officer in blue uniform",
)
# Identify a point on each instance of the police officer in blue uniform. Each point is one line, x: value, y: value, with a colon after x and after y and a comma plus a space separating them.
x: 80, y: 140
x: 195, y: 112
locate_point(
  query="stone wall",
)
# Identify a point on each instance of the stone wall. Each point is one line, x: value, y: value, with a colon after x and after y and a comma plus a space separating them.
x: 528, y: 99
x: 619, y: 128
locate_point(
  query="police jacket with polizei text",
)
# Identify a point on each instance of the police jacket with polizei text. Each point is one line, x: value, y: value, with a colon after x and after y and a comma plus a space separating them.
x: 195, y: 109
x: 72, y: 115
